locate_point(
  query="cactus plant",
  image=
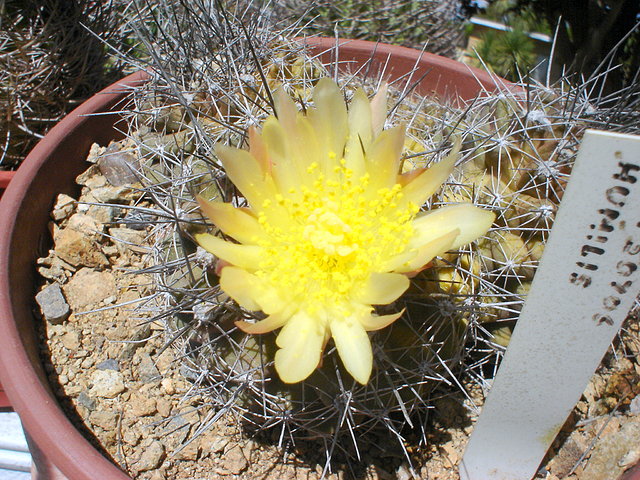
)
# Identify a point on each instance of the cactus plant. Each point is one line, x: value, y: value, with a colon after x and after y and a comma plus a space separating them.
x: 219, y: 82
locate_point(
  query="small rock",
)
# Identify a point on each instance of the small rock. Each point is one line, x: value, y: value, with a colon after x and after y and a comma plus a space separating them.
x: 167, y: 386
x: 88, y: 287
x: 85, y: 224
x: 87, y: 362
x: 87, y: 401
x: 164, y: 407
x: 612, y: 451
x: 131, y: 436
x: 120, y: 168
x: 566, y: 458
x: 94, y: 155
x: 109, y: 364
x: 102, y: 213
x: 53, y: 305
x: 71, y: 340
x: 104, y: 419
x: 631, y: 458
x: 142, y: 405
x: 190, y: 452
x: 137, y: 339
x: 126, y: 239
x: 77, y: 248
x: 212, y: 442
x: 151, y: 458
x: 63, y: 207
x: 95, y: 181
x: 147, y: 370
x: 451, y: 453
x: 110, y: 194
x: 85, y: 176
x: 404, y: 473
x: 107, y: 384
x: 235, y: 461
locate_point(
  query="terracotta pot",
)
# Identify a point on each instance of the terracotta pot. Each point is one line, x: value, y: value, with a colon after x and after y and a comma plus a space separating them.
x: 5, y: 178
x: 51, y: 169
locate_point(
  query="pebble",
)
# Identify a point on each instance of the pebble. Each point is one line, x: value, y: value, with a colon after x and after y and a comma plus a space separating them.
x: 137, y: 220
x: 104, y: 419
x: 235, y: 461
x: 131, y: 436
x: 53, y: 305
x: 79, y: 249
x: 71, y: 340
x: 63, y: 207
x: 167, y: 386
x: 190, y: 452
x: 164, y: 407
x: 147, y: 369
x: 89, y: 287
x: 87, y: 401
x: 151, y: 457
x: 142, y: 405
x: 109, y: 364
x: 119, y: 168
x: 102, y: 213
x: 106, y: 384
x: 109, y: 194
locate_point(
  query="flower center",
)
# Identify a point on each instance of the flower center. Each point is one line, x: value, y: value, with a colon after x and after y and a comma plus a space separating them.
x: 338, y: 233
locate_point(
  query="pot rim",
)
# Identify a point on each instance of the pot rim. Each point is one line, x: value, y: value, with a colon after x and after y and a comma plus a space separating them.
x: 30, y: 397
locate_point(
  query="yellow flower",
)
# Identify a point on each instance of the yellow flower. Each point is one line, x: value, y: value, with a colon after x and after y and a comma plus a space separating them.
x: 331, y: 229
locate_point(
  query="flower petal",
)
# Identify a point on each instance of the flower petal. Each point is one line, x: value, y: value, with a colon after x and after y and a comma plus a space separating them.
x: 360, y: 132
x: 250, y: 291
x: 263, y: 326
x: 258, y: 149
x: 283, y: 168
x: 382, y: 288
x: 379, y: 109
x: 383, y: 158
x: 244, y: 256
x: 472, y: 221
x: 329, y: 117
x: 301, y: 342
x: 246, y: 173
x: 235, y: 222
x: 427, y: 251
x: 354, y: 347
x: 378, y: 322
x: 420, y: 187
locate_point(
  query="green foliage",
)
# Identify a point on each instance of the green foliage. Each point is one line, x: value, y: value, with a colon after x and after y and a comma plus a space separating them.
x: 506, y: 53
x: 511, y: 52
x: 593, y: 36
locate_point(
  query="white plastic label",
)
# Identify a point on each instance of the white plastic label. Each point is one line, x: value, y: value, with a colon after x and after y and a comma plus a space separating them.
x: 584, y: 288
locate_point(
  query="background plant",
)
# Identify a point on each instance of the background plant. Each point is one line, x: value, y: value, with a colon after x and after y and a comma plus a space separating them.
x: 53, y: 56
x: 436, y: 26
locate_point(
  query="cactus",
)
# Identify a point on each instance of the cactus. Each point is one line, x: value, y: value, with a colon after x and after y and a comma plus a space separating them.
x: 518, y: 146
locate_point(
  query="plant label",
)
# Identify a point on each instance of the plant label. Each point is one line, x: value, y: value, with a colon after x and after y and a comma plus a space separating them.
x: 586, y: 284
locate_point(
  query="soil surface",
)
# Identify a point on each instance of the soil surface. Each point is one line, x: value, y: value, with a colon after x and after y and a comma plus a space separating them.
x: 127, y: 393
